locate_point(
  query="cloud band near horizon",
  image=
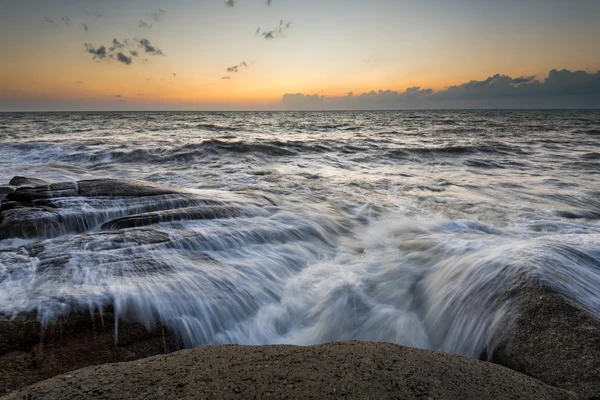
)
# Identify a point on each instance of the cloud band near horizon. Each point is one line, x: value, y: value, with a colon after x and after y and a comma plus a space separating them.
x: 561, y: 89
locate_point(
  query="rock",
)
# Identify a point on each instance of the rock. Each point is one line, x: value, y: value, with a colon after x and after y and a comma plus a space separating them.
x: 181, y: 214
x: 23, y: 181
x: 30, y: 194
x: 51, y: 210
x: 553, y: 341
x: 29, y: 353
x: 4, y: 190
x: 121, y: 187
x: 353, y: 370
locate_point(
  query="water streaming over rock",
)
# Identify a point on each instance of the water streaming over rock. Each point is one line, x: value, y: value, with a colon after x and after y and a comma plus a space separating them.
x: 408, y: 227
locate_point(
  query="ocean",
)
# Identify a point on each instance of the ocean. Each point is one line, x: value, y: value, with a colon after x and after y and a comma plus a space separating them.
x: 410, y: 227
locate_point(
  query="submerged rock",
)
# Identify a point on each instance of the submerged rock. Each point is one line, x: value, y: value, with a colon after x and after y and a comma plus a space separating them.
x: 353, y: 370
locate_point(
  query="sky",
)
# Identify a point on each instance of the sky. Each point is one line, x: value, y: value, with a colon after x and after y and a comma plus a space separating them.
x: 298, y: 54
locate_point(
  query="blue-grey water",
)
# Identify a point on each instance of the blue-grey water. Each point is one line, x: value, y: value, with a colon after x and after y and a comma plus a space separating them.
x: 408, y: 227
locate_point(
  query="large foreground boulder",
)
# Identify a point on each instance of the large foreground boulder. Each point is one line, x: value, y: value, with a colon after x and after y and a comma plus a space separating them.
x: 354, y: 370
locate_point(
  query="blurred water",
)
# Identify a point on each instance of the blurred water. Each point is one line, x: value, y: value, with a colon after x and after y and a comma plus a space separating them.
x: 406, y: 227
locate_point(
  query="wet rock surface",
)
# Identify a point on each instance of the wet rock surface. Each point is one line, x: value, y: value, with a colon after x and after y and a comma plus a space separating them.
x: 353, y: 370
x: 48, y: 210
x: 24, y: 181
x: 30, y: 352
x: 554, y: 341
x: 106, y: 244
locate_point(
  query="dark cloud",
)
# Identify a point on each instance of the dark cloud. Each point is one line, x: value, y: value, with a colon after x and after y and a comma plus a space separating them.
x: 226, y: 78
x: 144, y: 24
x: 49, y: 20
x: 148, y: 48
x: 65, y: 20
x: 98, y: 52
x: 157, y: 15
x: 230, y: 3
x: 174, y: 75
x: 116, y: 45
x: 257, y: 31
x: 268, y: 2
x: 85, y: 27
x: 277, y: 32
x: 118, y: 96
x: 118, y: 50
x: 523, y: 79
x: 236, y: 68
x: 561, y: 89
x: 123, y: 59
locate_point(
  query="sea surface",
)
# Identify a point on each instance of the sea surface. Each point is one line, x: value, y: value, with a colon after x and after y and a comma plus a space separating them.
x: 408, y: 227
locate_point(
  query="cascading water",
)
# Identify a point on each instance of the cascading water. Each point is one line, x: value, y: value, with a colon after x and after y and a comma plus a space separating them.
x: 401, y: 227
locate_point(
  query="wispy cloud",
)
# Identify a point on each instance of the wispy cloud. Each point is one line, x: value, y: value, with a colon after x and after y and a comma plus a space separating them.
x: 231, y: 3
x: 85, y: 27
x: 144, y: 24
x: 148, y: 48
x: 157, y: 15
x: 118, y: 96
x: 236, y: 68
x: 49, y: 20
x: 66, y: 20
x: 92, y: 14
x: 225, y: 78
x: 174, y: 75
x: 98, y: 52
x: 79, y: 83
x: 277, y: 32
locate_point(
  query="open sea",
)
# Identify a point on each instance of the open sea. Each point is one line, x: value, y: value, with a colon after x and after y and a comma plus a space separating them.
x: 408, y: 227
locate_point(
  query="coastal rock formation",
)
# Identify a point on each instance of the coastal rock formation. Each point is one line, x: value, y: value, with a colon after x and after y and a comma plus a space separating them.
x: 352, y: 370
x: 49, y: 210
x: 30, y: 353
x: 554, y: 341
x: 109, y: 254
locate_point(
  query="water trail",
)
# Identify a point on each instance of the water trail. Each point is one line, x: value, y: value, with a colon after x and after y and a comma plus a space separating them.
x: 303, y: 277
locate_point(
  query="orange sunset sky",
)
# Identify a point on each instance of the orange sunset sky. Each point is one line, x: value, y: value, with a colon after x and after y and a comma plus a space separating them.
x: 176, y: 54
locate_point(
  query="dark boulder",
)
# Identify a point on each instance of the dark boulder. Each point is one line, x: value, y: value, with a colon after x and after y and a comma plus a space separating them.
x: 24, y: 181
x: 554, y: 341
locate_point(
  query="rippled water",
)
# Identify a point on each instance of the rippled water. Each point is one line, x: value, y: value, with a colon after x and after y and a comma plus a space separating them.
x: 407, y: 227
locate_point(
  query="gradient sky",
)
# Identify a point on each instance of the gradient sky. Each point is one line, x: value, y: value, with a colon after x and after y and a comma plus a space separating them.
x: 332, y: 47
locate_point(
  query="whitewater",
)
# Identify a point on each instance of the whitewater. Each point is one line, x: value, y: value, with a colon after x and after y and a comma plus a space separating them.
x: 410, y: 227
